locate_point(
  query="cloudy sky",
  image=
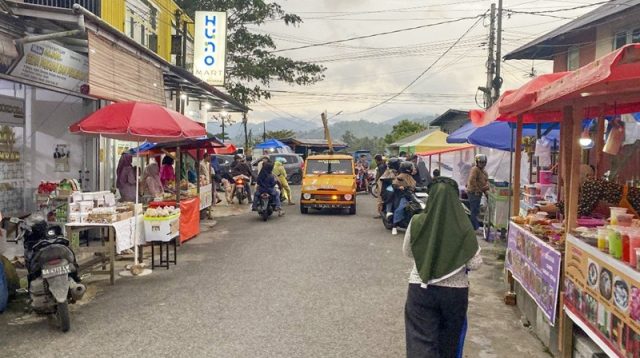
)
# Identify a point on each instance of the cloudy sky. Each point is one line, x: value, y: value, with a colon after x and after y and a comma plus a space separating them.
x: 363, y: 73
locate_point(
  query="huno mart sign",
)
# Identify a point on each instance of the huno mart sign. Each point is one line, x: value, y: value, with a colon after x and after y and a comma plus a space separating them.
x: 210, y: 45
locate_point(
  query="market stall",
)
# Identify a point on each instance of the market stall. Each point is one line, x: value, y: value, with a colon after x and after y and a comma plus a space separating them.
x: 601, y: 272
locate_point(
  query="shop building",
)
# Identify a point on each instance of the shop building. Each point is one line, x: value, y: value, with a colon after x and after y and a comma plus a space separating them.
x: 61, y: 63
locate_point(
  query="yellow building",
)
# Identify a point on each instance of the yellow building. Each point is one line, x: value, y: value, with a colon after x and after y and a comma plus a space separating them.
x: 150, y: 22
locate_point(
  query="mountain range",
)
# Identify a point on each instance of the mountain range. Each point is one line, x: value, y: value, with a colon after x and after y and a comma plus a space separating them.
x: 307, y: 129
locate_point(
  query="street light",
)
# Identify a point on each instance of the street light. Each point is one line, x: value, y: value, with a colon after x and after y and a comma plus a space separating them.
x: 224, y: 118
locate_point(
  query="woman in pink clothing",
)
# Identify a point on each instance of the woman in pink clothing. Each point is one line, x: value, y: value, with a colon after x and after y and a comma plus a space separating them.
x: 167, y: 173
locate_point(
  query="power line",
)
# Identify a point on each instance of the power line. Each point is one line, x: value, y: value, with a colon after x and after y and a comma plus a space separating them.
x: 380, y: 33
x: 480, y: 17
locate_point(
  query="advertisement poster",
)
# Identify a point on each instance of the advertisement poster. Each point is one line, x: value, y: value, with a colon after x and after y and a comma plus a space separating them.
x: 604, y: 294
x: 61, y: 158
x: 210, y: 46
x: 536, y: 265
x: 53, y: 65
x: 11, y: 111
x: 206, y: 196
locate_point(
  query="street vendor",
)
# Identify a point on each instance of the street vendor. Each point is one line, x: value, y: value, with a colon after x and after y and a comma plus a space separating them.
x: 126, y: 178
x: 151, y: 183
x: 167, y: 173
x: 477, y: 185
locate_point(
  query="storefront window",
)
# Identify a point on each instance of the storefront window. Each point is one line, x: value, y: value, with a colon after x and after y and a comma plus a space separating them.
x: 573, y: 58
x: 141, y: 20
x: 620, y: 40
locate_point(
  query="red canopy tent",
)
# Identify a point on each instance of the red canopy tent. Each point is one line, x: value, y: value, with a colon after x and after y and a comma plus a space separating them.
x: 229, y: 148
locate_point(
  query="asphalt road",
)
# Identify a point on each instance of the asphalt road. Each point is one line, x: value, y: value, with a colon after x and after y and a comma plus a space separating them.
x: 318, y: 285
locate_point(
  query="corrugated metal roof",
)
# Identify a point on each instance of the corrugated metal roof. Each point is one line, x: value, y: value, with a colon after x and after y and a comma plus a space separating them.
x: 545, y: 46
x: 448, y: 115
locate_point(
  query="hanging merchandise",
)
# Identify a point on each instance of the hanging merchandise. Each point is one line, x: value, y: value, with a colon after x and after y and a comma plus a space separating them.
x: 543, y: 152
x: 615, y: 138
x: 631, y: 128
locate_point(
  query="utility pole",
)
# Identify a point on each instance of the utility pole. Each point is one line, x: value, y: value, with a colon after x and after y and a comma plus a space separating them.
x: 487, y: 88
x: 185, y: 38
x: 179, y: 55
x: 246, y: 137
x: 497, y: 81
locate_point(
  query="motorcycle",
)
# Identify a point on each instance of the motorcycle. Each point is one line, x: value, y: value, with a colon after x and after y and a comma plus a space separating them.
x: 363, y: 185
x: 240, y: 182
x: 52, y: 270
x: 417, y: 203
x: 266, y: 206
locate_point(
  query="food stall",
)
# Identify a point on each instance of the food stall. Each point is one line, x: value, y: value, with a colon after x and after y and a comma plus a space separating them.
x: 601, y: 279
x: 192, y: 197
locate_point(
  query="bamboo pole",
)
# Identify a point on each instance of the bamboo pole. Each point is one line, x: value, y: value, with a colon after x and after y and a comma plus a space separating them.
x: 517, y: 165
x: 599, y: 144
x: 574, y: 171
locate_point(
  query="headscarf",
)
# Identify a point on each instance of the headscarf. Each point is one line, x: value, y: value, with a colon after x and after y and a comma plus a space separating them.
x: 442, y: 237
x: 151, y: 180
x: 124, y: 167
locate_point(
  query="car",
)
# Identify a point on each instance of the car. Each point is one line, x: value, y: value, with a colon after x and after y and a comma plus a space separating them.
x: 328, y: 181
x: 292, y: 164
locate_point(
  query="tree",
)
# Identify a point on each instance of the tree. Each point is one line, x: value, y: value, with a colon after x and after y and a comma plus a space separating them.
x: 403, y: 129
x: 281, y: 134
x: 251, y: 64
x: 349, y: 138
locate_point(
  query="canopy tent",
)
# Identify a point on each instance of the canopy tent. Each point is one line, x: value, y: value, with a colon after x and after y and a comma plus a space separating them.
x: 498, y: 135
x: 272, y: 144
x: 229, y: 148
x: 432, y: 142
x: 607, y: 86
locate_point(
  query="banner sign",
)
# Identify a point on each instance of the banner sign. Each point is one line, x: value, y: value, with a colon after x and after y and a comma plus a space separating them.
x: 53, y: 65
x: 210, y: 45
x: 11, y: 111
x: 536, y: 265
x: 602, y: 295
x: 206, y: 196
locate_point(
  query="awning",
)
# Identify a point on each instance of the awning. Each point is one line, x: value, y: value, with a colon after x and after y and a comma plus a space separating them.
x: 433, y: 141
x: 607, y: 86
x: 496, y: 135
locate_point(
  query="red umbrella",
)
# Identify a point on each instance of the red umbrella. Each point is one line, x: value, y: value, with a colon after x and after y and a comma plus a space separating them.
x: 135, y: 121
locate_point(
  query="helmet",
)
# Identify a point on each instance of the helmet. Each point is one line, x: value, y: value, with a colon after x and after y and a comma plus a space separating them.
x: 394, y: 163
x: 238, y: 157
x: 481, y: 158
x: 406, y: 167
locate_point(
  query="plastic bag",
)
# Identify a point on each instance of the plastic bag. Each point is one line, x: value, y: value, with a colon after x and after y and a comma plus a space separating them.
x: 615, y: 138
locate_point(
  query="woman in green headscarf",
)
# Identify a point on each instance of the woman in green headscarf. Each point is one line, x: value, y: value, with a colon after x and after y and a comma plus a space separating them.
x: 443, y: 244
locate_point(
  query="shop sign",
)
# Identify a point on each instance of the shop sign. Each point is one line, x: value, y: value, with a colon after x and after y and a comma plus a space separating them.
x: 11, y: 110
x: 536, y: 265
x: 206, y: 196
x: 603, y: 294
x: 210, y: 42
x: 50, y: 64
x: 7, y: 143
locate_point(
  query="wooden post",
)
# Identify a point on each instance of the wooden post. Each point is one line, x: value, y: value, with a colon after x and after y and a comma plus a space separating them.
x: 198, y: 170
x: 440, y: 162
x: 178, y: 175
x: 566, y: 133
x: 599, y: 144
x: 574, y: 171
x: 516, y: 170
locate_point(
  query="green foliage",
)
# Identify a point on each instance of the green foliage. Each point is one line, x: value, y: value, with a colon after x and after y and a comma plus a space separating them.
x: 403, y: 129
x: 251, y: 66
x: 281, y: 134
x: 375, y: 144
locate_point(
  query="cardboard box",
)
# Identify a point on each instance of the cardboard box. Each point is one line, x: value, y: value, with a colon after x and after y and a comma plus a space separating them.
x: 161, y: 229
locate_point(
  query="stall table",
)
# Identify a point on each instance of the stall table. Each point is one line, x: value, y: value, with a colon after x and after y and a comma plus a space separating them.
x: 119, y: 238
x: 189, y: 216
x: 602, y: 297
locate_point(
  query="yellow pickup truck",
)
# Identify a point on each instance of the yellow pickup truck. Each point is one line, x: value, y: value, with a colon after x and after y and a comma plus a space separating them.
x: 328, y: 182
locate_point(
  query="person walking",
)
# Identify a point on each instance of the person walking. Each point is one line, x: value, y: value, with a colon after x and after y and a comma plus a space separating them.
x: 477, y: 185
x: 444, y: 247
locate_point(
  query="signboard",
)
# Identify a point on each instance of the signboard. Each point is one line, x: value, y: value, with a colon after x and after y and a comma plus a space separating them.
x: 11, y: 111
x: 536, y: 265
x: 206, y: 196
x: 53, y: 65
x: 602, y: 295
x: 210, y: 45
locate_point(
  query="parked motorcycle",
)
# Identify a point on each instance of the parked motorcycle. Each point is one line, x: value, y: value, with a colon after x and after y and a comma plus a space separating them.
x: 240, y: 182
x: 52, y: 270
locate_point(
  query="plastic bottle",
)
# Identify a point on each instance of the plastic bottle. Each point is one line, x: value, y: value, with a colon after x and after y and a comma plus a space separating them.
x: 615, y: 244
x: 603, y: 237
x: 626, y: 248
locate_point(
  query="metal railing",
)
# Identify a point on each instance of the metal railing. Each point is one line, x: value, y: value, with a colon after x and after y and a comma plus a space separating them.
x: 91, y: 5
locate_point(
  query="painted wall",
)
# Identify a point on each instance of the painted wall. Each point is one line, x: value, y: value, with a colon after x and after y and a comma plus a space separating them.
x: 113, y: 12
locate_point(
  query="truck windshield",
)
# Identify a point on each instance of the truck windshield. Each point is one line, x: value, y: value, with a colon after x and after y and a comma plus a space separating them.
x: 329, y: 166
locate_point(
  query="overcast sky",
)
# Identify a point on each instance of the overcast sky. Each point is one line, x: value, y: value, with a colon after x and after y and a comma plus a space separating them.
x: 363, y: 73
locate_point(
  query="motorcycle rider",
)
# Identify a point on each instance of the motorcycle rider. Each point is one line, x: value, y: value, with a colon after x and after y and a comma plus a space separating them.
x: 477, y: 185
x: 241, y: 167
x: 403, y: 186
x: 384, y: 195
x: 266, y: 183
x: 281, y: 174
x: 362, y: 168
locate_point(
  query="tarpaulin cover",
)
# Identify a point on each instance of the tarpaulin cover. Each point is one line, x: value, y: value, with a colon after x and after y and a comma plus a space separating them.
x: 607, y: 86
x: 136, y: 121
x: 207, y: 143
x: 434, y: 141
x: 228, y: 149
x: 496, y: 135
x: 271, y: 143
x: 189, y: 216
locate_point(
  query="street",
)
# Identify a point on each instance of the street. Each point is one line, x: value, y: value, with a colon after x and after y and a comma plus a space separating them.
x: 318, y: 285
